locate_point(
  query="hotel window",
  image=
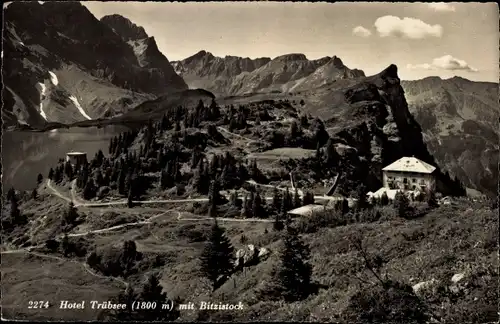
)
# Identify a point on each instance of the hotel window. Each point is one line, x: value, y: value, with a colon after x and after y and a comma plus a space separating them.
x: 405, y: 180
x: 413, y: 180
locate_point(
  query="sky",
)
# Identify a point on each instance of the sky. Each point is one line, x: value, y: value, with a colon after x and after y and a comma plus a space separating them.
x: 422, y: 39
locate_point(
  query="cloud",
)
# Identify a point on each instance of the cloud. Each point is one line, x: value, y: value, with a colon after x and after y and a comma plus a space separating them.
x: 446, y: 62
x: 441, y: 6
x: 361, y: 31
x: 407, y: 27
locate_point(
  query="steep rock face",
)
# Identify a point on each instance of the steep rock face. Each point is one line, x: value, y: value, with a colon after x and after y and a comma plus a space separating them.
x: 61, y: 64
x: 125, y: 28
x: 237, y: 76
x: 371, y: 115
x: 459, y: 120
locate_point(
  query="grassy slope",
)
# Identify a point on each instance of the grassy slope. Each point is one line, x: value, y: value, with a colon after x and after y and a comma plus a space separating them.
x: 31, y: 278
x: 451, y: 239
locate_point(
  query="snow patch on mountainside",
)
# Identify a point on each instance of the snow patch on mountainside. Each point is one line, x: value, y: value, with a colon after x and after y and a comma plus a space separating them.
x: 42, y: 96
x: 53, y: 78
x: 77, y: 104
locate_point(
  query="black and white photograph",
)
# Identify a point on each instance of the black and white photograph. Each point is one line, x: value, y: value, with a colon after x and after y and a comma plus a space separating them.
x: 250, y: 161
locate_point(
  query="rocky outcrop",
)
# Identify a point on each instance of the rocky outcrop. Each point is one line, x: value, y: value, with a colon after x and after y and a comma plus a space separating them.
x: 46, y: 52
x: 250, y: 256
x: 370, y: 116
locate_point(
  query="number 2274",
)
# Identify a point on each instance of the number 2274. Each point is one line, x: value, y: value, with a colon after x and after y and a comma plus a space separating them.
x: 38, y: 304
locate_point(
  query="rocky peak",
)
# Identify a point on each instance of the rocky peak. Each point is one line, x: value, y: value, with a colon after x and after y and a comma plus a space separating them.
x: 291, y: 57
x: 126, y: 29
x: 197, y: 57
x: 337, y: 62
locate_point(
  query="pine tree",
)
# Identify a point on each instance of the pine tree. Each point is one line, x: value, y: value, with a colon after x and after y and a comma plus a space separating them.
x: 294, y: 130
x: 128, y: 297
x: 34, y: 194
x: 278, y: 222
x: 332, y: 156
x: 51, y: 174
x: 384, y: 199
x: 153, y: 292
x: 296, y: 199
x: 89, y: 191
x: 361, y: 197
x: 257, y: 211
x: 431, y: 199
x: 15, y: 213
x: 39, y: 179
x: 245, y: 213
x: 130, y: 202
x: 217, y: 258
x: 234, y: 199
x: 276, y: 199
x: 308, y: 198
x: 71, y: 214
x: 121, y: 181
x: 128, y: 257
x: 401, y: 203
x: 65, y: 245
x: 294, y: 274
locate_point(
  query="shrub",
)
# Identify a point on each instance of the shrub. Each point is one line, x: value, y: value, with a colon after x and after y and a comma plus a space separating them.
x: 396, y: 303
x: 326, y: 218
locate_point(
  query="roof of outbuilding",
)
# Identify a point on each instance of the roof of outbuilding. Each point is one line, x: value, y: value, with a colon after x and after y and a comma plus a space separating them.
x: 306, y: 210
x: 76, y: 153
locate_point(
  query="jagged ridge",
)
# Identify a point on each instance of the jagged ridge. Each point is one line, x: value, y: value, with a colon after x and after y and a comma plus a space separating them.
x: 236, y: 76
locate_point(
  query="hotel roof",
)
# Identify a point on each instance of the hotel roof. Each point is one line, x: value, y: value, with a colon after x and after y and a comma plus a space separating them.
x: 410, y: 164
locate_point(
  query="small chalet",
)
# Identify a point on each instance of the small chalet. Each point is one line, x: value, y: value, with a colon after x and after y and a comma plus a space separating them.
x: 76, y: 158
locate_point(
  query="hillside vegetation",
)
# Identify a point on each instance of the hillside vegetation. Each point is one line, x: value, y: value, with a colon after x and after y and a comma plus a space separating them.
x: 226, y: 240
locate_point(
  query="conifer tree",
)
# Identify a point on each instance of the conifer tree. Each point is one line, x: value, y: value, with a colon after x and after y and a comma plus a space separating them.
x: 65, y: 245
x: 278, y: 222
x: 245, y: 211
x: 332, y: 156
x: 39, y: 179
x: 384, y: 199
x: 361, y: 197
x: 128, y: 256
x: 401, y: 203
x: 71, y: 214
x: 34, y: 194
x: 51, y: 173
x: 15, y: 213
x: 296, y: 199
x: 257, y: 210
x: 217, y: 258
x: 130, y: 202
x: 431, y: 199
x: 152, y: 291
x: 276, y: 199
x: 294, y: 274
x: 90, y: 189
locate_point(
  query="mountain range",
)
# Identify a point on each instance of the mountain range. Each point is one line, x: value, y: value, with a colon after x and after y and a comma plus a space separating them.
x: 59, y: 71
x: 458, y: 117
x: 61, y: 64
x: 233, y: 75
